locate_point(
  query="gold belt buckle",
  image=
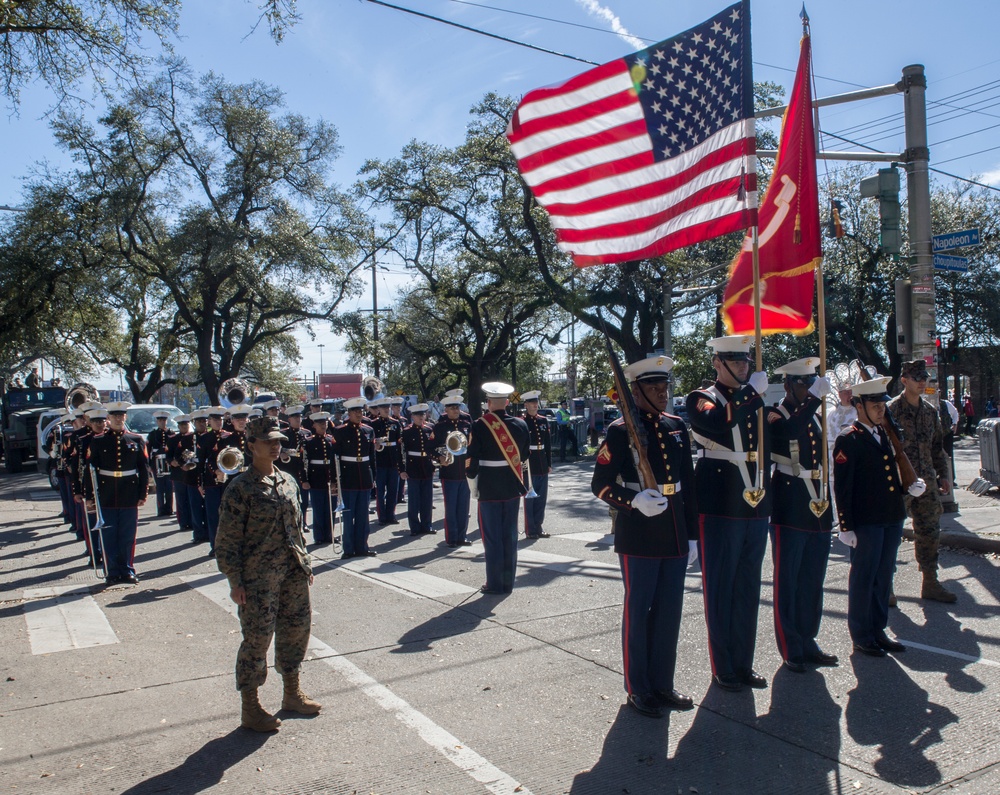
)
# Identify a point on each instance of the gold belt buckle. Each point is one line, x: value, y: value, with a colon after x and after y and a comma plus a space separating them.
x: 669, y: 489
x: 116, y: 474
x: 817, y: 474
x: 752, y: 455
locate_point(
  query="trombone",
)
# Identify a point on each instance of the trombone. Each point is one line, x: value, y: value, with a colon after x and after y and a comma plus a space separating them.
x: 531, y: 486
x: 98, y: 526
x: 338, y: 509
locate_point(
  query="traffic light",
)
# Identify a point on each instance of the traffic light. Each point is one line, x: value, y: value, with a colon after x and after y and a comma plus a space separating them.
x: 952, y: 350
x: 885, y: 187
x: 834, y: 227
x: 938, y: 357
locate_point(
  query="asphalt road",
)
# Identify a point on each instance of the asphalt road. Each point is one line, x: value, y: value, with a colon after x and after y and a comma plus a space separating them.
x: 431, y: 687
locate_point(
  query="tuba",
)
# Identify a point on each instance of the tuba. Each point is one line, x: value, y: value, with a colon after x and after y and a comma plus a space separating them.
x: 233, y: 392
x: 229, y: 460
x: 371, y: 388
x: 80, y: 393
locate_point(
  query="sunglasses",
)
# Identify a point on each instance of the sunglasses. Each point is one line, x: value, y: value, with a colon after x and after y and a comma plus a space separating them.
x: 919, y: 376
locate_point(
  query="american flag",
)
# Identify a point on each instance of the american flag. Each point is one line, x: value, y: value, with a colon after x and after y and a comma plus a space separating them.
x: 649, y: 153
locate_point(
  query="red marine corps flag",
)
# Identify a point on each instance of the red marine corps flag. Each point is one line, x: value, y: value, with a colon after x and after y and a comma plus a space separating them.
x: 648, y: 153
x: 789, y: 230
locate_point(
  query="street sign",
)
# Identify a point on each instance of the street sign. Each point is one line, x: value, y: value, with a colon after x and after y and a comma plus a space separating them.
x: 943, y: 262
x: 963, y: 239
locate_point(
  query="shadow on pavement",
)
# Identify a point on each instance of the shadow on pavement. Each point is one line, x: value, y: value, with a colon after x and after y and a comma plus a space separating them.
x: 205, y: 767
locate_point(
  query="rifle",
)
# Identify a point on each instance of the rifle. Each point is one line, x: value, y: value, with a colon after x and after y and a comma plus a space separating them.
x: 907, y: 474
x: 630, y: 413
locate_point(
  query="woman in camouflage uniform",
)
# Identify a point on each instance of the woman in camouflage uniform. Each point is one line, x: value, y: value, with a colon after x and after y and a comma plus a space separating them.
x: 260, y: 549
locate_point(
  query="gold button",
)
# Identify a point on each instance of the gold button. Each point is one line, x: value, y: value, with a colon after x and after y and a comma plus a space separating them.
x: 892, y: 488
x: 887, y: 467
x: 888, y: 477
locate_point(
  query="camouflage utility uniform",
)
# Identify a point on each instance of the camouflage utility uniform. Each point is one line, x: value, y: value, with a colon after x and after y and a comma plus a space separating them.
x: 260, y: 547
x: 923, y: 444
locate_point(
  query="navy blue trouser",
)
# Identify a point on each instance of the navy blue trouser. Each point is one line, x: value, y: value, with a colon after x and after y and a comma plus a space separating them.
x: 83, y: 521
x: 213, y: 501
x: 196, y: 513
x: 68, y: 506
x: 355, y: 519
x: 420, y: 505
x: 164, y: 496
x: 498, y: 523
x: 386, y: 493
x: 869, y: 584
x: 534, y: 508
x: 800, y: 558
x: 319, y: 499
x: 456, y: 510
x: 732, y: 551
x: 651, y: 621
x: 120, y: 526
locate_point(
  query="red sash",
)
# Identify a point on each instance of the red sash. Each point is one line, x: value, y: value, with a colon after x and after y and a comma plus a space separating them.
x: 507, y: 445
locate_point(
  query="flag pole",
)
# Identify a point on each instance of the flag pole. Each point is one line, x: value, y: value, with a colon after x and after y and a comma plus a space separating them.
x: 760, y: 364
x: 821, y: 324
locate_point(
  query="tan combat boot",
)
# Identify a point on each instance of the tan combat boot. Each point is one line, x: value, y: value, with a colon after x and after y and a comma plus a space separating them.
x: 295, y: 700
x: 935, y: 591
x: 255, y: 717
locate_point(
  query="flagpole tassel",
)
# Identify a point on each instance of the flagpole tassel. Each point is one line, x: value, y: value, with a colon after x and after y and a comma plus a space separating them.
x: 797, y: 235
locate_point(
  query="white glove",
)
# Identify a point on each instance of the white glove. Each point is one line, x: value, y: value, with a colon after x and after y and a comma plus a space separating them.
x: 649, y: 502
x: 758, y: 382
x: 917, y: 488
x: 849, y: 538
x: 692, y: 552
x: 821, y: 387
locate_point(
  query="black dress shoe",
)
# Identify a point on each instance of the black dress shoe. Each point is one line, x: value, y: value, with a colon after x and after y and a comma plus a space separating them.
x: 890, y: 645
x: 132, y: 579
x: 671, y: 699
x: 797, y: 667
x: 754, y: 680
x: 484, y: 589
x: 451, y: 545
x: 345, y: 556
x: 730, y: 683
x: 371, y: 553
x: 645, y: 705
x: 540, y: 535
x: 465, y: 543
x: 871, y: 649
x: 822, y: 658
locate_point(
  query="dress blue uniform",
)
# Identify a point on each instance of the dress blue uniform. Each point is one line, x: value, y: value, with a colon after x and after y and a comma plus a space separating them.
x: 540, y: 462
x: 387, y: 465
x: 156, y: 444
x: 355, y: 446
x: 319, y: 473
x: 211, y: 479
x: 417, y: 461
x: 454, y: 485
x: 190, y: 512
x: 800, y: 540
x: 733, y: 532
x: 652, y: 550
x: 295, y: 438
x: 870, y: 504
x: 500, y: 487
x: 122, y: 467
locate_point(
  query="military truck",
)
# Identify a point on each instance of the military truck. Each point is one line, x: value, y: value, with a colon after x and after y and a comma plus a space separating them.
x: 19, y: 413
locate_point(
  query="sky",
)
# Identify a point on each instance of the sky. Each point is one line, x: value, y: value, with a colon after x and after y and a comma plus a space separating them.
x: 385, y: 77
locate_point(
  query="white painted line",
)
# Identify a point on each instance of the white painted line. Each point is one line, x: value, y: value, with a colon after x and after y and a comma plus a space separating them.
x: 46, y: 496
x: 564, y: 564
x: 63, y: 618
x: 216, y: 588
x: 400, y: 578
x: 947, y: 653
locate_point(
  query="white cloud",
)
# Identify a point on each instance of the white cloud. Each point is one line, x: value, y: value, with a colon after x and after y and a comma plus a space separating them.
x: 991, y: 177
x: 595, y: 9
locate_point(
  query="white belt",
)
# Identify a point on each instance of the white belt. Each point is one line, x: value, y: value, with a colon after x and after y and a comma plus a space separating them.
x: 663, y: 488
x: 728, y: 455
x: 353, y: 459
x: 536, y: 447
x: 805, y: 474
x: 493, y: 464
x: 390, y: 444
x: 319, y: 462
x: 415, y: 454
x: 115, y: 473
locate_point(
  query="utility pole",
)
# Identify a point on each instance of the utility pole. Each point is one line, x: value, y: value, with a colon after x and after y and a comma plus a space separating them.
x: 375, y: 315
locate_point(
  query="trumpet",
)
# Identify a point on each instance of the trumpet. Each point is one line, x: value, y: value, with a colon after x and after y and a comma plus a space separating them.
x: 380, y: 443
x: 456, y: 442
x: 287, y: 454
x: 229, y: 461
x: 189, y: 459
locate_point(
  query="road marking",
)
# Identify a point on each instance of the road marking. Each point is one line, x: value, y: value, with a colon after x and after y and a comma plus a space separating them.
x: 216, y: 588
x: 947, y: 653
x: 415, y: 584
x: 564, y: 564
x: 65, y: 617
x: 604, y: 539
x: 44, y: 496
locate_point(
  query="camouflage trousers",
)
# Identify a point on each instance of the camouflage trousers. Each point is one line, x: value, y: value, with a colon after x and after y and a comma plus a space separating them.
x: 925, y: 511
x: 277, y: 606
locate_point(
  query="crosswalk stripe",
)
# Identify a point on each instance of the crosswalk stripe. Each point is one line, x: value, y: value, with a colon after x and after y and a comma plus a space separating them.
x: 606, y: 539
x: 65, y: 617
x: 564, y: 564
x: 216, y: 588
x: 415, y: 584
x: 44, y: 496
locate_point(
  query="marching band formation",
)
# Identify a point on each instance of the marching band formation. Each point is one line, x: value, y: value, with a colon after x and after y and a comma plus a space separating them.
x: 743, y: 473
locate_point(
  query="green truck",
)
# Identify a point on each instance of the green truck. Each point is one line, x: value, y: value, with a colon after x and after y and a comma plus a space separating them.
x: 19, y: 413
